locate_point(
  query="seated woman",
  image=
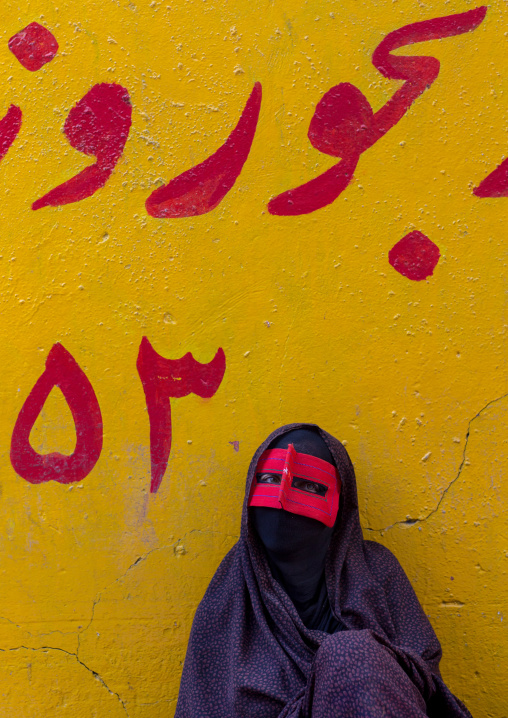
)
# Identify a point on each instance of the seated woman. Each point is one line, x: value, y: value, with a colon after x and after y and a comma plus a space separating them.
x: 303, y: 618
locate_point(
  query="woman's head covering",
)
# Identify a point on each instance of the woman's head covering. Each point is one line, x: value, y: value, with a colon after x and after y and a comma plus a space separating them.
x: 296, y: 546
x: 251, y: 654
x: 305, y: 441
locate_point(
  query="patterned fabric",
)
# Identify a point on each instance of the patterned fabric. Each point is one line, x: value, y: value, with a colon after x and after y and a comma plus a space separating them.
x: 249, y: 654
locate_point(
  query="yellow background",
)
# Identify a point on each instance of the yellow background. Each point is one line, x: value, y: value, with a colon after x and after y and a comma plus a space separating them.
x: 100, y: 580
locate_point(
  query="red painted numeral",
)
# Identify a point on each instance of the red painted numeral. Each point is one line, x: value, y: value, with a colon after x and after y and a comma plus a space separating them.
x: 165, y: 378
x: 62, y: 371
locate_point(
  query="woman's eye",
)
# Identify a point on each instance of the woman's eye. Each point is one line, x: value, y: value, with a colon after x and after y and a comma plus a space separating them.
x: 311, y: 487
x: 308, y: 486
x: 268, y: 479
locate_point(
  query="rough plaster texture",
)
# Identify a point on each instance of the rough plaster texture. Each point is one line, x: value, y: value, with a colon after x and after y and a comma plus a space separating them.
x: 100, y: 579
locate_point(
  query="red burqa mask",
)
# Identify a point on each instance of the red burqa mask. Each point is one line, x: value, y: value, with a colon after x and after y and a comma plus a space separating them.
x: 299, y: 483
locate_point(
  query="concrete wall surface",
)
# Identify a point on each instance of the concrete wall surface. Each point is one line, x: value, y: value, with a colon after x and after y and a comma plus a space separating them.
x: 372, y: 302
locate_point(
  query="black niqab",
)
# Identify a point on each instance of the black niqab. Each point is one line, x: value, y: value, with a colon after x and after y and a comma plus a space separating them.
x: 296, y: 546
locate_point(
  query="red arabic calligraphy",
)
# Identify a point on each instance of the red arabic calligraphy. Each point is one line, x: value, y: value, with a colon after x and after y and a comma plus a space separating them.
x: 344, y: 124
x: 34, y: 46
x: 495, y: 184
x: 10, y: 125
x: 98, y: 125
x: 202, y: 188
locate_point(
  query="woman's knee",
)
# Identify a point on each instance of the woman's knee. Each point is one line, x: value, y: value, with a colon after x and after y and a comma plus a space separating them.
x: 355, y: 652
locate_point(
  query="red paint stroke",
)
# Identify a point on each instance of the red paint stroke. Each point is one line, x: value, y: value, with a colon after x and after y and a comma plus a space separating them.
x: 165, y: 378
x: 203, y: 187
x: 62, y: 371
x: 341, y: 120
x: 415, y: 256
x: 344, y: 124
x: 34, y: 46
x: 98, y: 125
x: 495, y: 184
x: 10, y: 125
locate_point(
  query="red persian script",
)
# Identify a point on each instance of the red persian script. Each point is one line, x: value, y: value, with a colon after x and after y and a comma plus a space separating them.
x: 165, y: 378
x: 415, y: 256
x: 344, y: 124
x: 62, y: 371
x: 202, y: 188
x: 98, y: 126
x: 10, y: 125
x: 495, y: 184
x: 34, y: 46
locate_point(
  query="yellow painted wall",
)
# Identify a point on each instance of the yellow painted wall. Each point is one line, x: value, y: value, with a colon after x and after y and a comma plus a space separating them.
x: 100, y: 579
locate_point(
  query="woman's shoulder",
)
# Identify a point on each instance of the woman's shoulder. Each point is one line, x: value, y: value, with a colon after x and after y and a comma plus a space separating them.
x: 378, y: 550
x: 382, y: 561
x: 225, y: 582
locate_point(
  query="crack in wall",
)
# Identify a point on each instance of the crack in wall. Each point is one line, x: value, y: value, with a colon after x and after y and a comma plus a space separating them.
x: 156, y: 703
x: 139, y: 560
x: 96, y: 601
x: 23, y: 627
x: 411, y: 521
x: 4, y: 618
x: 74, y: 655
x: 98, y: 598
x: 38, y: 634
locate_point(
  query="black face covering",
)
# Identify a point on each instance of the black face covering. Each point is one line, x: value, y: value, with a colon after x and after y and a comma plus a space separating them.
x: 296, y: 545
